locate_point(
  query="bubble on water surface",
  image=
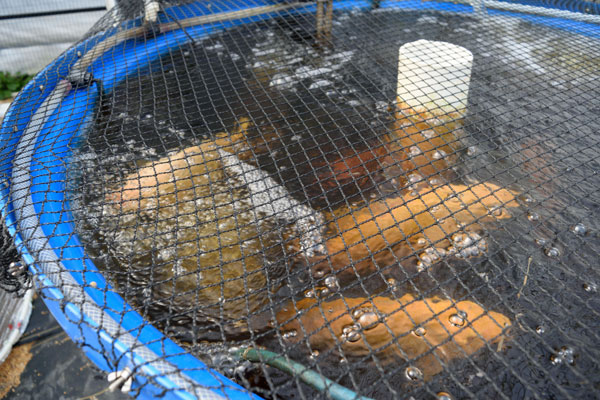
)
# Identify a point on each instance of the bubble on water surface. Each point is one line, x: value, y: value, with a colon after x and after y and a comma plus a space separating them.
x: 590, y: 287
x: 439, y: 154
x: 419, y: 331
x: 579, y: 229
x: 532, y: 216
x: 540, y: 330
x: 553, y: 252
x: 317, y: 293
x: 414, y: 151
x: 332, y: 283
x: 414, y: 178
x: 289, y: 334
x: 368, y: 320
x: 350, y: 333
x: 456, y: 320
x: 443, y: 396
x: 413, y: 373
x: 564, y: 355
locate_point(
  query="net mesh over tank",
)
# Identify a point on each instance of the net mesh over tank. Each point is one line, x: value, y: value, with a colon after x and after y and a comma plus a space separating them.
x: 260, y: 195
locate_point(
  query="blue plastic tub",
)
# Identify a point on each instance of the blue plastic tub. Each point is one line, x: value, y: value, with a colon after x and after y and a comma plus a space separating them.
x: 38, y: 134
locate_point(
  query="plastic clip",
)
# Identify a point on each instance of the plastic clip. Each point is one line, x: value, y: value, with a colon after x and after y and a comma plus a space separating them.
x: 123, y: 379
x: 77, y: 79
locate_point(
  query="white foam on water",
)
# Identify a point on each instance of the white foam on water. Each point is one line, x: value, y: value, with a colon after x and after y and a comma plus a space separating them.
x: 320, y: 83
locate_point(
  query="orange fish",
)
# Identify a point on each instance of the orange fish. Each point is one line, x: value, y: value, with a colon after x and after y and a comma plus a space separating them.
x: 174, y: 177
x: 387, y: 230
x: 428, y: 333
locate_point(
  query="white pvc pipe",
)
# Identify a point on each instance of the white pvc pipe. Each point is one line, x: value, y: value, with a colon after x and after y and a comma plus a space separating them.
x: 434, y: 76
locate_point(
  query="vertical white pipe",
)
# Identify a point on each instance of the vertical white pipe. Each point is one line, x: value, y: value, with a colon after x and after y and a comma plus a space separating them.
x: 434, y: 76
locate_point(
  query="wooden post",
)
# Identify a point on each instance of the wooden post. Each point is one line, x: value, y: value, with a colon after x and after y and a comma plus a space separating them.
x: 324, y: 22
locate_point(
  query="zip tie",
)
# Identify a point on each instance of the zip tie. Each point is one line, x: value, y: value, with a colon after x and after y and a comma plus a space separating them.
x: 151, y: 10
x: 123, y: 378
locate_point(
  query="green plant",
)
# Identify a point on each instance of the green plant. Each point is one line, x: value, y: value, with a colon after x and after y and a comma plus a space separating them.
x: 10, y: 83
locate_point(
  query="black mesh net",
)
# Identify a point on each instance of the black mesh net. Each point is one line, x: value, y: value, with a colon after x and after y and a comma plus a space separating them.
x: 261, y: 195
x: 14, y: 277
